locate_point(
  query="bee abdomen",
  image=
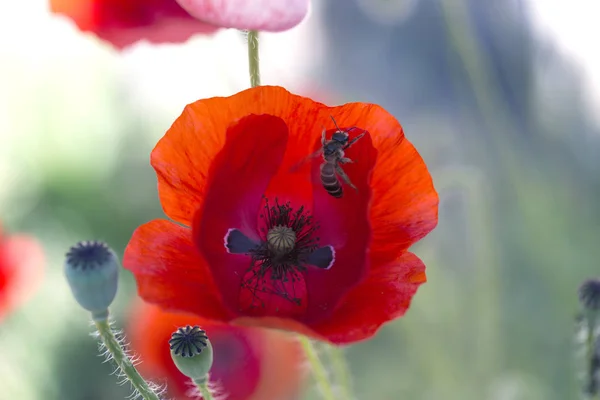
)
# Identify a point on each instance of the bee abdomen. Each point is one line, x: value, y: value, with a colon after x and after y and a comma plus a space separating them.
x: 330, y: 180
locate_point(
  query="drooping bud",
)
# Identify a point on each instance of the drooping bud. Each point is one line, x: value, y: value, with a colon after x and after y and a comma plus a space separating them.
x: 92, y: 270
x: 589, y: 295
x: 192, y: 352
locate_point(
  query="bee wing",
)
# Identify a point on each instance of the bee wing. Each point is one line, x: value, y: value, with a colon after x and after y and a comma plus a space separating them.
x: 300, y: 163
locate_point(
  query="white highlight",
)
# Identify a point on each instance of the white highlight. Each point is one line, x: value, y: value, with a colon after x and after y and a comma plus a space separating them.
x: 332, y: 257
x: 573, y: 27
x: 225, y: 239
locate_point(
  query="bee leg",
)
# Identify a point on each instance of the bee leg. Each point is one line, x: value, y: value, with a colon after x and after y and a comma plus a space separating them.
x: 342, y: 174
x: 323, y: 141
x: 345, y: 160
x: 350, y: 143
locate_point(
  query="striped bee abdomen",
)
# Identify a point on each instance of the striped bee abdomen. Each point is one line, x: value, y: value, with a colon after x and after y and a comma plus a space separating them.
x: 330, y: 180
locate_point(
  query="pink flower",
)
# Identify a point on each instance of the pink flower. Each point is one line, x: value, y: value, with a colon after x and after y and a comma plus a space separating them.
x: 263, y: 15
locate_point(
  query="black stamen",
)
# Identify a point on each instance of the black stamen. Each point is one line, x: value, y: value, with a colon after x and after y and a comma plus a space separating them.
x: 272, y: 266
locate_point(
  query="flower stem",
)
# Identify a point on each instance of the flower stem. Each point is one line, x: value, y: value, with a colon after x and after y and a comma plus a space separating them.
x: 122, y: 360
x: 253, y: 59
x: 202, y: 385
x: 591, y: 359
x: 318, y: 370
x: 340, y: 371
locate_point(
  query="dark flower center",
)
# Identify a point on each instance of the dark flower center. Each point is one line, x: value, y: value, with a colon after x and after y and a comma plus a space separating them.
x: 288, y: 245
x: 188, y: 341
x: 88, y: 254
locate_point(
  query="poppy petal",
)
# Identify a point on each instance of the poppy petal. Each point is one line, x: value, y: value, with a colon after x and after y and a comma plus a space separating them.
x: 249, y: 363
x: 236, y: 368
x: 344, y: 225
x: 383, y: 297
x: 183, y: 156
x: 123, y: 23
x: 283, y: 365
x: 21, y: 270
x: 404, y: 202
x: 263, y: 15
x: 170, y: 271
x: 239, y: 176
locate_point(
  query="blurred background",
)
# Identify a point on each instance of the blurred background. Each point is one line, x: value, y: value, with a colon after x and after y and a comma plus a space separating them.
x: 499, y: 96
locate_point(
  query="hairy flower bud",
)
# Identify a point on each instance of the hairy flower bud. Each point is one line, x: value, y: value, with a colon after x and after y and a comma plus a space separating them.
x: 92, y: 270
x: 192, y: 352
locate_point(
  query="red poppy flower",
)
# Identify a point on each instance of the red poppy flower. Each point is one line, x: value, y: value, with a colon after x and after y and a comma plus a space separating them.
x: 124, y: 22
x: 262, y: 241
x: 21, y: 262
x: 249, y: 363
x: 263, y: 15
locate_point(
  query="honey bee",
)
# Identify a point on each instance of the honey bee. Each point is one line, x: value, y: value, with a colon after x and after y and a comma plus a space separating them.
x: 333, y: 158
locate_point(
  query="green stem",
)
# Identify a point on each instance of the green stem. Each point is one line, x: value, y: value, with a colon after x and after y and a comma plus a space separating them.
x: 202, y: 385
x: 591, y: 342
x: 123, y: 362
x: 318, y: 370
x: 253, y: 59
x: 340, y: 371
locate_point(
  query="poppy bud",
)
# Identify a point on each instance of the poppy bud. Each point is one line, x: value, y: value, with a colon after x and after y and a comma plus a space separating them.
x: 589, y: 294
x: 92, y: 270
x: 192, y: 352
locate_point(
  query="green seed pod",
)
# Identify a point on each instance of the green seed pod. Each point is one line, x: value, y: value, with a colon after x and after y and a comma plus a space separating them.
x: 92, y: 270
x: 192, y: 352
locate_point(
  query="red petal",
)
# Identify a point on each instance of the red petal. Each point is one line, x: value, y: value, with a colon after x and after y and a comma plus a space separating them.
x: 123, y: 23
x: 265, y: 297
x: 405, y: 203
x: 21, y: 270
x: 236, y: 366
x: 182, y: 158
x: 249, y: 363
x: 383, y: 297
x: 283, y: 365
x: 345, y: 226
x: 264, y: 15
x: 238, y: 178
x: 170, y: 271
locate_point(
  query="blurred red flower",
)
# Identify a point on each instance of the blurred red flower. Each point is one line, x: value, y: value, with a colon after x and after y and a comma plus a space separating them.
x: 124, y: 22
x: 262, y: 242
x: 263, y: 15
x: 21, y: 266
x: 249, y: 363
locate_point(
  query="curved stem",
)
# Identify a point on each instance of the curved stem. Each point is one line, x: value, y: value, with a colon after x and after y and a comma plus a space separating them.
x: 123, y: 361
x: 341, y: 371
x: 318, y: 370
x: 204, y: 390
x: 253, y: 59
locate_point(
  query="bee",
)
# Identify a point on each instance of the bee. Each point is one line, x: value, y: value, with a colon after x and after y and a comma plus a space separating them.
x: 333, y: 158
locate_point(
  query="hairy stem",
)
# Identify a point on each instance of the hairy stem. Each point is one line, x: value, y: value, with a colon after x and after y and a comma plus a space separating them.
x: 318, y: 370
x: 592, y: 389
x: 253, y: 59
x: 202, y: 385
x: 123, y: 362
x: 340, y: 371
